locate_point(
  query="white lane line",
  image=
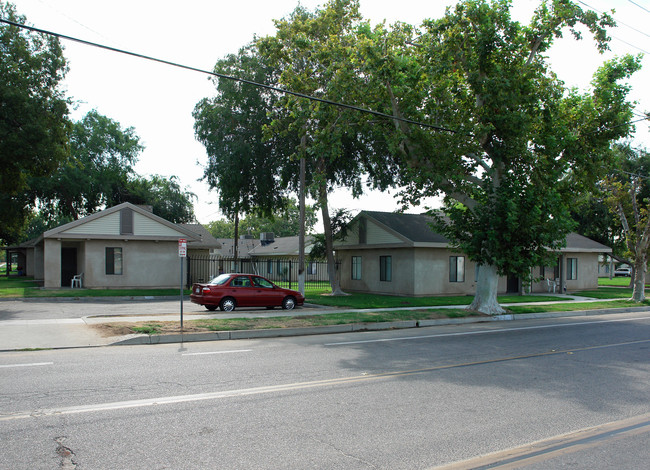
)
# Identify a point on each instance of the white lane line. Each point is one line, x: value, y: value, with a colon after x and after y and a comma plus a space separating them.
x: 217, y: 352
x: 483, y: 332
x: 33, y: 364
x: 121, y: 405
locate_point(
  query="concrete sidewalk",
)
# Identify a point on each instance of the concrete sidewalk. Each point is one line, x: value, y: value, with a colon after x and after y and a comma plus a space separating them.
x: 79, y: 332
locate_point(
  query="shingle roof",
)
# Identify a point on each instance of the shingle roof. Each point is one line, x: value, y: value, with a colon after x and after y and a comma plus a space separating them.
x: 282, y: 246
x: 415, y: 227
x: 206, y: 238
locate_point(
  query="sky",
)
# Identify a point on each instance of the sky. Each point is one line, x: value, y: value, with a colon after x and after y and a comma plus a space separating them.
x: 157, y: 100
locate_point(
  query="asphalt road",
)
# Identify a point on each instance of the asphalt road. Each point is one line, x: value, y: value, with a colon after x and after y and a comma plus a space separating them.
x: 570, y: 392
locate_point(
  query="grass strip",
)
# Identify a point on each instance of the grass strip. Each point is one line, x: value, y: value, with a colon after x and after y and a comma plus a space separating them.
x: 300, y: 321
x: 572, y: 307
x: 361, y: 301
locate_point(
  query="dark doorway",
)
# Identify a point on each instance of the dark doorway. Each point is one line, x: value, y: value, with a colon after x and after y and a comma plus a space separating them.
x: 68, y: 265
x: 513, y: 285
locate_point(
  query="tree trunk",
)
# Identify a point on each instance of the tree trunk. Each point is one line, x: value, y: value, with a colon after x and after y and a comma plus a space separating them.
x: 638, y: 294
x: 485, y: 300
x: 329, y: 241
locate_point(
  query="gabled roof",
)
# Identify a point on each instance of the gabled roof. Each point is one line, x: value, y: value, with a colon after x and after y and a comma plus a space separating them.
x: 96, y: 226
x: 206, y: 240
x: 417, y: 230
x: 414, y: 227
x: 282, y: 246
x: 244, y: 245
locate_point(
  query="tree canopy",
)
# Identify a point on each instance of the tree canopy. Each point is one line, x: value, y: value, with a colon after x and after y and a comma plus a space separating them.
x: 33, y: 116
x: 102, y: 156
x: 284, y: 223
x: 513, y: 144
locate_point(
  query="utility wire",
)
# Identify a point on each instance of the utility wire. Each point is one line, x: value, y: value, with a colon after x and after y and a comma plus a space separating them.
x: 640, y: 6
x: 624, y: 24
x: 249, y: 82
x: 219, y: 75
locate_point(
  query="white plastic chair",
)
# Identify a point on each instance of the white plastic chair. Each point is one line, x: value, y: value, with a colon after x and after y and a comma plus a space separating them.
x: 551, y: 285
x: 76, y: 281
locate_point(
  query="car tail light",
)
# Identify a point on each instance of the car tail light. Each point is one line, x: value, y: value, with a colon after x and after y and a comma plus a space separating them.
x: 206, y: 289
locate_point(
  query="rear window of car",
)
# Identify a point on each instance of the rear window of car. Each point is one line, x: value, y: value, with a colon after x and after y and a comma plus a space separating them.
x: 220, y: 280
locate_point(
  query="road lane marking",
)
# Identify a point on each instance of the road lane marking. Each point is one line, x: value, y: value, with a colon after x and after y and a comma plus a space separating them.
x: 111, y: 406
x: 483, y: 332
x: 217, y: 352
x: 32, y: 364
x: 547, y: 449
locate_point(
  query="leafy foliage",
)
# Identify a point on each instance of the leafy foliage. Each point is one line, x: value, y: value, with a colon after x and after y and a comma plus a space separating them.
x: 283, y: 224
x: 513, y: 145
x: 97, y: 172
x: 33, y: 116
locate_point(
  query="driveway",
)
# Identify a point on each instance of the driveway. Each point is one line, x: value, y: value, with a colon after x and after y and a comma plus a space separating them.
x: 52, y: 308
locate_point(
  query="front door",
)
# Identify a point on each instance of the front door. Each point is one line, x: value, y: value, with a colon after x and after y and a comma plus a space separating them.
x: 68, y: 265
x: 513, y: 285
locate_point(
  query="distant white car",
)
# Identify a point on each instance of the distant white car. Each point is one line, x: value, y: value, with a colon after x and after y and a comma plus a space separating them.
x: 623, y: 272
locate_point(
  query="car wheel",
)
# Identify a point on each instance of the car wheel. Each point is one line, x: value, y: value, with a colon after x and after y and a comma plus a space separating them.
x: 228, y: 304
x: 288, y: 303
x: 212, y: 308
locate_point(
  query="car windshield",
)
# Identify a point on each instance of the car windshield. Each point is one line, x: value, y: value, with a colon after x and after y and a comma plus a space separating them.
x: 220, y: 280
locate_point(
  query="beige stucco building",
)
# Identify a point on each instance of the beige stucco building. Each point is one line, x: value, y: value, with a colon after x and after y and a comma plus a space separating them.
x: 401, y: 254
x: 123, y: 246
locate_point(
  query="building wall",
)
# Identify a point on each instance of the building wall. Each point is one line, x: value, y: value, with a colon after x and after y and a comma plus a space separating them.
x: 402, y: 280
x: 425, y: 271
x: 39, y: 266
x: 52, y: 263
x: 145, y: 264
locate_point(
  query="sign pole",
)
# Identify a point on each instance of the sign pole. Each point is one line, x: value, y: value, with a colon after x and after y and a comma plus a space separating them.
x: 182, y: 252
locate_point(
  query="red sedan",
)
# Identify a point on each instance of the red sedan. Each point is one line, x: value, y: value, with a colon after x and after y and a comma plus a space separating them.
x: 228, y: 291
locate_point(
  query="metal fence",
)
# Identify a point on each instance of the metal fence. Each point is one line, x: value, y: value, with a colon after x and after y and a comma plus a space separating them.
x: 284, y: 272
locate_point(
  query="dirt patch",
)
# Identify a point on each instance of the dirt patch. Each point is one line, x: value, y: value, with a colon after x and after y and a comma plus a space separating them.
x: 108, y: 330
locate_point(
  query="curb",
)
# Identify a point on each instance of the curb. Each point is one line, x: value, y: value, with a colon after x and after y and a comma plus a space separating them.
x: 356, y: 327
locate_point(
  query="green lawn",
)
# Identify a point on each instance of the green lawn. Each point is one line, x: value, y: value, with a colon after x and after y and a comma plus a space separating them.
x: 615, y: 281
x: 358, y: 301
x: 26, y: 287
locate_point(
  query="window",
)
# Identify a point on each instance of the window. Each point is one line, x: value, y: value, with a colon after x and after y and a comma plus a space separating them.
x: 113, y: 260
x: 456, y: 269
x: 385, y: 268
x: 312, y: 267
x: 572, y: 268
x: 126, y: 221
x: 240, y: 281
x: 356, y: 268
x: 269, y: 267
x: 363, y: 233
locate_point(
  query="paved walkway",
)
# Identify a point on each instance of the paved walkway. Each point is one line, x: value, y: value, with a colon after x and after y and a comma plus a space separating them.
x: 49, y: 333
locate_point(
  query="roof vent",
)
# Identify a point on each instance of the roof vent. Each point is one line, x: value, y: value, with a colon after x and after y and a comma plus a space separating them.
x: 267, y: 238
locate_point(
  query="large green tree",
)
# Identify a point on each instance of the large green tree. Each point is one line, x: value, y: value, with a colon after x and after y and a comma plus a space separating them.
x: 511, y: 144
x: 626, y: 192
x: 243, y: 166
x: 96, y: 174
x: 312, y: 52
x: 33, y: 116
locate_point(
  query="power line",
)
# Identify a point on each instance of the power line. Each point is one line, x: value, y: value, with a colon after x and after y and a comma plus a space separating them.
x: 227, y: 77
x: 640, y: 6
x: 618, y: 21
x: 249, y: 82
